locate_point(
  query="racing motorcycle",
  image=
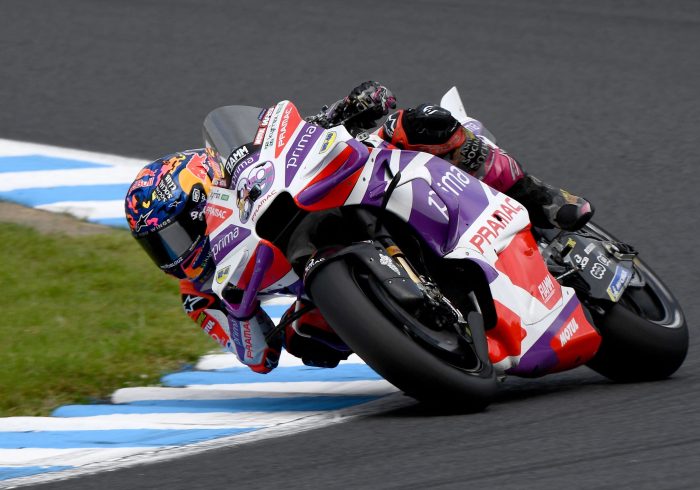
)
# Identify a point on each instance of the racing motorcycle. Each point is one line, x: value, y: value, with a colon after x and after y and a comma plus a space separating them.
x: 436, y: 280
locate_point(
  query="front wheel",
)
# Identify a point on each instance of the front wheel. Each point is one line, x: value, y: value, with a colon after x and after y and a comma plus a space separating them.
x: 645, y: 335
x: 376, y: 333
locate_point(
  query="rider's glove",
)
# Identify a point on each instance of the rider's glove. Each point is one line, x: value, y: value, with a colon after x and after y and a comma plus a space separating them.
x: 367, y: 103
x: 250, y: 345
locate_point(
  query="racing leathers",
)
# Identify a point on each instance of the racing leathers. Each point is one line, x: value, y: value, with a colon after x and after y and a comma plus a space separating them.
x: 245, y: 337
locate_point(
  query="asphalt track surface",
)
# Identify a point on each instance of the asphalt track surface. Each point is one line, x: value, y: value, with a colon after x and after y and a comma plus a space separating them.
x: 600, y: 97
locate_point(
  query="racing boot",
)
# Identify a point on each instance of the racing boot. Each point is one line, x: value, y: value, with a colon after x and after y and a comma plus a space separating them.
x: 312, y: 340
x: 549, y: 206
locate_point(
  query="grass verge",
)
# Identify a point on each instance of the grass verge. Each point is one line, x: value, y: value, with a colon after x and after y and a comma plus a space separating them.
x: 81, y: 316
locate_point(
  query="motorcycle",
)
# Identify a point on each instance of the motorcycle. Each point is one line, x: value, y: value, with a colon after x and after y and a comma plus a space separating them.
x: 436, y: 280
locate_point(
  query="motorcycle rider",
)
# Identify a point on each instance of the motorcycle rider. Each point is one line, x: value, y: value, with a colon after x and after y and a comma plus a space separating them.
x: 165, y: 208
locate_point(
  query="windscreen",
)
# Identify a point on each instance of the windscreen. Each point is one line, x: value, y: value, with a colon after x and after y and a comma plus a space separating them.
x: 227, y: 128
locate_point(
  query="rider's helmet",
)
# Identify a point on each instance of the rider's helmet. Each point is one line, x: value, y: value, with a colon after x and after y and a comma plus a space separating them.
x: 428, y: 128
x: 165, y: 211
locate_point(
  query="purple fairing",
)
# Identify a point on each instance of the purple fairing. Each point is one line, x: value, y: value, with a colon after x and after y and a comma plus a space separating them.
x: 227, y: 240
x: 305, y: 140
x: 263, y: 260
x: 456, y: 195
x: 428, y: 215
x: 442, y: 209
x: 490, y: 273
x: 320, y: 189
x: 540, y: 358
x: 463, y: 195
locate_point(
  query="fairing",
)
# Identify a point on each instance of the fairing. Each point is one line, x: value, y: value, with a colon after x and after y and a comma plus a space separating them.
x: 541, y: 326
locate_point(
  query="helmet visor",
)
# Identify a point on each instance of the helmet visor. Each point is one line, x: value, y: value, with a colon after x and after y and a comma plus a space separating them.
x: 171, y: 245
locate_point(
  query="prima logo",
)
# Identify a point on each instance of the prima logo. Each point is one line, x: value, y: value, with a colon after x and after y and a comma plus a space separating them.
x: 227, y: 240
x: 300, y: 147
x: 453, y: 181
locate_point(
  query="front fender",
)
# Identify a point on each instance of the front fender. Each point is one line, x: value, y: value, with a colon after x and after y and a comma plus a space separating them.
x: 376, y: 261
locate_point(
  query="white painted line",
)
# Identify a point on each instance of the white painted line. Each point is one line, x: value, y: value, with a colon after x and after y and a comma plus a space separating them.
x: 201, y: 392
x: 170, y: 421
x: 295, y: 388
x: 18, y: 148
x: 249, y: 390
x: 88, y: 209
x: 71, y: 177
x: 390, y: 402
x: 64, y: 457
x: 226, y: 360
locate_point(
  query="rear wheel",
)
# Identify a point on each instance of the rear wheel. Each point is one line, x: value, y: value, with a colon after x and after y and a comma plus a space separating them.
x: 644, y: 335
x: 374, y: 327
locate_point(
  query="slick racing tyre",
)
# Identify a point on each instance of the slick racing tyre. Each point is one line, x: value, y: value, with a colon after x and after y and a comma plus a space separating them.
x: 644, y: 335
x: 362, y: 319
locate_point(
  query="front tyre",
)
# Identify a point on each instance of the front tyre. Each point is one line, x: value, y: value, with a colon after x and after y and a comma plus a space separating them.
x: 355, y: 315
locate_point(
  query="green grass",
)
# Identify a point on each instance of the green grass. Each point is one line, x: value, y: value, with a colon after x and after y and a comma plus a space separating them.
x: 81, y: 316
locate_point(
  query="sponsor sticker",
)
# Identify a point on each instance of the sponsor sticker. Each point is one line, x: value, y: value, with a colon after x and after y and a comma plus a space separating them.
x: 490, y: 233
x: 569, y: 330
x: 222, y: 275
x: 313, y: 262
x: 386, y: 261
x: 227, y: 240
x: 215, y: 216
x: 604, y: 260
x: 328, y: 141
x: 598, y: 270
x: 235, y: 157
x: 251, y: 184
x: 546, y: 289
x: 618, y: 283
x: 300, y: 148
x: 259, y: 136
x: 165, y: 188
x: 274, y: 123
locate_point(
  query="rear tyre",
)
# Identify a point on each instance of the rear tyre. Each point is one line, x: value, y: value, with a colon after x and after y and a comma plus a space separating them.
x: 644, y: 335
x: 381, y: 342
